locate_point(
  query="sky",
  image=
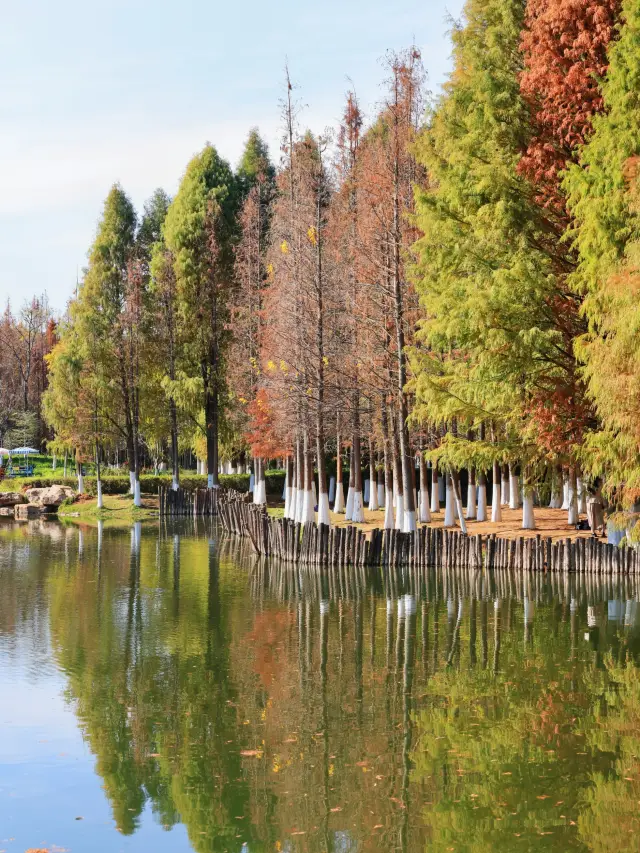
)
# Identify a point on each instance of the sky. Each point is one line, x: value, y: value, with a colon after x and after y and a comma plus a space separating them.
x: 129, y: 90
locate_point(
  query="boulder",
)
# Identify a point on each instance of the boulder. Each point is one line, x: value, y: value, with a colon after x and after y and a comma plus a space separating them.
x: 23, y: 512
x: 50, y: 497
x: 11, y: 498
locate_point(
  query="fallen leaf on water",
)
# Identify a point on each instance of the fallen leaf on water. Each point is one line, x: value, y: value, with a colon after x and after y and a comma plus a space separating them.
x: 154, y: 755
x: 299, y: 832
x: 378, y: 826
x: 251, y: 753
x: 543, y: 797
x: 337, y: 809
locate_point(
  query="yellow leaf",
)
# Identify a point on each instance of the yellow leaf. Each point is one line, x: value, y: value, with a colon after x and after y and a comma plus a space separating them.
x: 284, y: 247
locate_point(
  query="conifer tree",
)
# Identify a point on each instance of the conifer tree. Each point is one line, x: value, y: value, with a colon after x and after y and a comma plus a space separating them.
x: 200, y: 231
x: 604, y: 199
x: 488, y: 343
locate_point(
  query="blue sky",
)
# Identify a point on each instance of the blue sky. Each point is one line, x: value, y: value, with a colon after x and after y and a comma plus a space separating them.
x: 128, y: 90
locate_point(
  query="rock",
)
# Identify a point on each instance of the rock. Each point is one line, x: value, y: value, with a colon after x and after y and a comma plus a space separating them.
x: 50, y: 497
x: 11, y: 498
x: 23, y: 512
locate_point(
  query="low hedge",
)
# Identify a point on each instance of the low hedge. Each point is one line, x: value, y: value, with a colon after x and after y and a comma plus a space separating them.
x: 149, y: 483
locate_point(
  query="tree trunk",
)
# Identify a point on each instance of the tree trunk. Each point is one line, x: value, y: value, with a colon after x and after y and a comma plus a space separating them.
x: 496, y: 511
x: 357, y: 512
x: 338, y: 505
x: 481, y: 514
x: 514, y: 486
x: 449, y: 507
x: 425, y: 514
x: 373, y: 491
x: 528, y: 515
x: 471, y: 495
x: 211, y: 417
x: 388, y: 477
x: 435, y: 489
x: 455, y: 487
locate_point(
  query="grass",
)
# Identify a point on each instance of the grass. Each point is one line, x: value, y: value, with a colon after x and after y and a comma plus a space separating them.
x: 118, y: 510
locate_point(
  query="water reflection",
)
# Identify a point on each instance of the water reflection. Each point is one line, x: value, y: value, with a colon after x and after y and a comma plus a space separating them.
x: 267, y: 708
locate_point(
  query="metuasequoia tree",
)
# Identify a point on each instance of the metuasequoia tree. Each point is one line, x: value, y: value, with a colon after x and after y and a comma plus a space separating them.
x: 200, y: 231
x: 604, y: 201
x: 257, y: 178
x: 109, y: 318
x: 489, y: 341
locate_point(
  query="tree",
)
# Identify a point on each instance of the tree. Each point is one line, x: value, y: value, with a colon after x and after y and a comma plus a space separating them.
x: 603, y: 198
x: 200, y: 231
x: 492, y: 347
x: 109, y: 321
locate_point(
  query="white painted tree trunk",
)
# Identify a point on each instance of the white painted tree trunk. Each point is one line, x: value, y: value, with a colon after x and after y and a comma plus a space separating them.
x: 471, y: 498
x: 54, y: 463
x: 528, y: 514
x: 399, y: 511
x: 504, y: 490
x: 348, y: 512
x: 314, y: 494
x: 461, y: 519
x: 332, y: 489
x: 132, y: 482
x: 582, y: 498
x: 425, y: 514
x: 137, y: 497
x: 555, y: 501
x: 496, y: 510
x: 80, y: 483
x: 174, y: 484
x: 308, y: 508
x: 209, y: 481
x: 388, y: 513
x: 381, y: 496
x: 323, y: 509
x: 409, y: 523
x: 449, y: 505
x: 357, y: 509
x: 435, y: 491
x: 514, y: 489
x: 565, y: 491
x: 299, y: 516
x: 481, y: 513
x: 100, y: 502
x: 367, y: 486
x: 454, y: 480
x: 338, y: 505
x: 573, y: 497
x: 100, y: 532
x: 373, y: 497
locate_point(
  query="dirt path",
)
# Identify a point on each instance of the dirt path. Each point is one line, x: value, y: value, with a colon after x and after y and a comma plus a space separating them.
x: 550, y: 522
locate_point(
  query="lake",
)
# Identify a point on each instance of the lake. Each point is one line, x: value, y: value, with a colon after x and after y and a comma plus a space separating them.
x: 162, y: 690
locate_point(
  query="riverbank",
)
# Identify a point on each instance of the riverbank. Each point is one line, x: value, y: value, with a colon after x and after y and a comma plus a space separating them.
x: 118, y: 510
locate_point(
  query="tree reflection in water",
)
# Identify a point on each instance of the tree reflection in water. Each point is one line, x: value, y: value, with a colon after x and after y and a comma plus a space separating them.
x: 267, y: 708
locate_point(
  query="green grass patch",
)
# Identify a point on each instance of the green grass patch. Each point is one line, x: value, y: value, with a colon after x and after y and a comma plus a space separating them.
x: 118, y: 510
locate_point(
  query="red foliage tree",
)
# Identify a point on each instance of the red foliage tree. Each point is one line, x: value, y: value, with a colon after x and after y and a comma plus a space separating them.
x: 565, y: 51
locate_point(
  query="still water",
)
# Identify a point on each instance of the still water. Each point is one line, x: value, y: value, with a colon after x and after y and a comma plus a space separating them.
x: 162, y: 691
